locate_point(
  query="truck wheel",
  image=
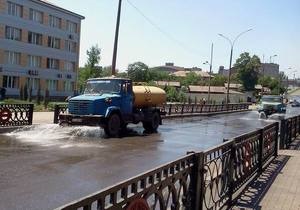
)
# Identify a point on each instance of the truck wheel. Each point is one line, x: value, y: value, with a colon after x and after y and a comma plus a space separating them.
x: 113, y: 125
x: 153, y: 124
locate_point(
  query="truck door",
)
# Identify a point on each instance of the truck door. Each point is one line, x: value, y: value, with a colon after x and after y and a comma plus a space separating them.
x: 127, y: 99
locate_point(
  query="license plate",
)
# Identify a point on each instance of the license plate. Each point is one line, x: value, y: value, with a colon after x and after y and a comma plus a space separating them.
x: 77, y: 120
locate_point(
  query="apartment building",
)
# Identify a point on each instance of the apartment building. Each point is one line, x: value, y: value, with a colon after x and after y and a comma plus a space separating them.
x: 39, y: 47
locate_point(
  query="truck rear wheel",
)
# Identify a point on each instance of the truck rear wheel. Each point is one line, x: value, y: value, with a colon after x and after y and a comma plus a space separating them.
x: 153, y: 124
x: 113, y: 125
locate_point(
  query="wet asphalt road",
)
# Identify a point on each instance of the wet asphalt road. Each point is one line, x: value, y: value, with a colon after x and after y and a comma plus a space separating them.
x: 45, y: 166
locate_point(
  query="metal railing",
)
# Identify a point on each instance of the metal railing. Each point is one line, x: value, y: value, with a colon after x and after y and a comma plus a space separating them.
x: 59, y: 109
x: 289, y: 130
x: 16, y: 114
x: 203, y: 180
x: 175, y: 109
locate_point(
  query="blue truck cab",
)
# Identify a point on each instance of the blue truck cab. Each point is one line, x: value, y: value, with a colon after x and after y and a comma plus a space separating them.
x: 109, y: 103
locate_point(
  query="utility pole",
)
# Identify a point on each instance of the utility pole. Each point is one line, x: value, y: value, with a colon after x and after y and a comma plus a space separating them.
x: 263, y: 75
x: 114, y: 60
x: 210, y: 70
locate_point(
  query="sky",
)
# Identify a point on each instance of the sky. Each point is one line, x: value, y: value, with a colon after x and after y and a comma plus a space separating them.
x: 182, y: 31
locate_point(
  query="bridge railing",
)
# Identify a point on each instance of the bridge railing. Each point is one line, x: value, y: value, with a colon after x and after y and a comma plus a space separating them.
x: 16, y: 114
x: 175, y: 109
x: 204, y: 180
x: 289, y: 130
x: 178, y: 109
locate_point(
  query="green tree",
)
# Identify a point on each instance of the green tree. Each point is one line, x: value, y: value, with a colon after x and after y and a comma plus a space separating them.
x: 218, y: 80
x: 138, y: 72
x: 91, y: 68
x: 247, y: 70
x: 191, y: 79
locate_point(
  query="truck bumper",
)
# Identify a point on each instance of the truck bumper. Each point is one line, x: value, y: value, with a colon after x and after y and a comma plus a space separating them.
x: 88, y: 120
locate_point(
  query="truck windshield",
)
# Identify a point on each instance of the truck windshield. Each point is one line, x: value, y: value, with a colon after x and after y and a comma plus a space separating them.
x: 271, y: 99
x: 103, y: 86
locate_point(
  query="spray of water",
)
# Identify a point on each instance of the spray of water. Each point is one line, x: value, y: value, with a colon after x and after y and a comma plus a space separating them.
x: 51, y: 134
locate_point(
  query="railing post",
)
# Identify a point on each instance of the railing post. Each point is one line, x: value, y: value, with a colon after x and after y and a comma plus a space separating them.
x: 56, y: 114
x: 182, y: 108
x: 30, y: 116
x: 298, y: 123
x: 283, y: 134
x: 276, y: 140
x: 260, y: 150
x: 295, y: 127
x: 231, y: 173
x: 170, y: 109
x: 193, y: 108
x: 197, y: 183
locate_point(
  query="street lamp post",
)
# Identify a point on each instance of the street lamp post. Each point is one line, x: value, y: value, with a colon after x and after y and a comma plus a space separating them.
x: 210, y: 70
x: 114, y: 59
x: 231, y: 53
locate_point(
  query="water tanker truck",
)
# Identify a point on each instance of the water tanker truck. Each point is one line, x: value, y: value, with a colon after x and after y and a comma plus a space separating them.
x: 112, y: 103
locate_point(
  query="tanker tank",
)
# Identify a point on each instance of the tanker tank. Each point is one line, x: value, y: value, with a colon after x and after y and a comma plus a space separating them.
x: 147, y: 96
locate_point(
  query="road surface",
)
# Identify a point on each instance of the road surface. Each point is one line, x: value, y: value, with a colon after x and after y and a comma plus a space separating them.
x: 46, y: 166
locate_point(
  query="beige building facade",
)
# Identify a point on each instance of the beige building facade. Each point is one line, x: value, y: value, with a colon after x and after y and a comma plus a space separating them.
x: 39, y: 47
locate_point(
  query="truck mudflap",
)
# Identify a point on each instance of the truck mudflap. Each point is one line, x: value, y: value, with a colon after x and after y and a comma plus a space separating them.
x: 88, y: 120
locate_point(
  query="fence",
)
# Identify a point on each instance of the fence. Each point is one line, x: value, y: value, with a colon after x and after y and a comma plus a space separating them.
x: 16, y: 114
x: 176, y: 109
x: 203, y: 180
x: 289, y: 130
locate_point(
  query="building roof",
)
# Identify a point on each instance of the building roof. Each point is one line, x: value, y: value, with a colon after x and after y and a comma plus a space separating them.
x: 213, y: 89
x: 49, y: 4
x: 184, y: 73
x: 167, y: 83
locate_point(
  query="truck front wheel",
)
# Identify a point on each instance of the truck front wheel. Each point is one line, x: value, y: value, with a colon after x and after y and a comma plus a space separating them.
x: 152, y: 125
x: 113, y: 125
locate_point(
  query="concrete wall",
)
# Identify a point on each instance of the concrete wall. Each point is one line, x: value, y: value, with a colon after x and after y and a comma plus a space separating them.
x: 218, y: 98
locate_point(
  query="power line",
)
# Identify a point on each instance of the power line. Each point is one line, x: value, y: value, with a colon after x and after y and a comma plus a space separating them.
x: 169, y: 36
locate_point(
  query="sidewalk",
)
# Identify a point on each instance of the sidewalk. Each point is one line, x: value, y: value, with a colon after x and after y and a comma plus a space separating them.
x: 43, y: 117
x: 278, y: 188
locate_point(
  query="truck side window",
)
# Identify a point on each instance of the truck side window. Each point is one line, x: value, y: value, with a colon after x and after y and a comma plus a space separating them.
x: 129, y: 87
x: 124, y: 88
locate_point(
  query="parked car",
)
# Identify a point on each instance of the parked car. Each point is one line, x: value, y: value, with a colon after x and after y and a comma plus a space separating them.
x: 270, y: 104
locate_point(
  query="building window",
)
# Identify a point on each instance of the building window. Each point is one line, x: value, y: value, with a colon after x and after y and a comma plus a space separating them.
x: 34, y: 61
x: 54, y: 21
x: 33, y: 83
x: 52, y: 63
x: 69, y: 66
x: 71, y: 27
x: 36, y: 15
x: 68, y: 86
x: 10, y: 82
x: 53, y: 42
x: 35, y: 38
x: 70, y: 46
x: 13, y: 58
x: 15, y: 9
x: 13, y: 33
x: 52, y: 84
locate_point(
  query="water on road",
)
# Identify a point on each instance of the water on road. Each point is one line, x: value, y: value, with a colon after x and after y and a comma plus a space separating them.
x: 45, y: 166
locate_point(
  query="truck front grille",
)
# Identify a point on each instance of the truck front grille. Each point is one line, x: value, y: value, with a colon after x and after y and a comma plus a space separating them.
x: 80, y: 107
